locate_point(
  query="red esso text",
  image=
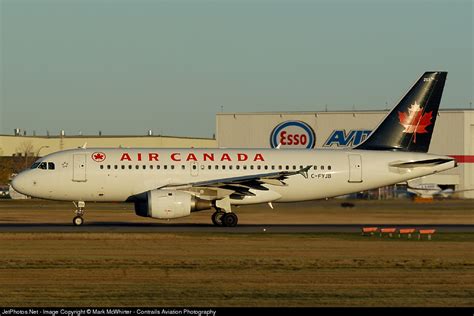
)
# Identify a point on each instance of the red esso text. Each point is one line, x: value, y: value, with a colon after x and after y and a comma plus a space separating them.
x: 293, y: 139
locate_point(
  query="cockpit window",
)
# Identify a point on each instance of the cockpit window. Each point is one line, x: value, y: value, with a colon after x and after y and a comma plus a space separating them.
x: 51, y: 165
x: 35, y: 165
x: 43, y: 165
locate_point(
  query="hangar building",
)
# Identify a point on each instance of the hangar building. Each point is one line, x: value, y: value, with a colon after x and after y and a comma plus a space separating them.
x: 453, y: 136
x: 18, y: 145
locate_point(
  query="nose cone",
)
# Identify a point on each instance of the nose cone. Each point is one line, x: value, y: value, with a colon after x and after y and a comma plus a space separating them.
x: 19, y: 183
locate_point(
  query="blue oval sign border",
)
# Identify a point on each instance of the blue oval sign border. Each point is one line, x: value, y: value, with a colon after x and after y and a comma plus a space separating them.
x: 303, y: 125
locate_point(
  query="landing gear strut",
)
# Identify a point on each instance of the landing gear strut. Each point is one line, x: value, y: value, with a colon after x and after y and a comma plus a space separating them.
x: 220, y: 218
x: 78, y: 220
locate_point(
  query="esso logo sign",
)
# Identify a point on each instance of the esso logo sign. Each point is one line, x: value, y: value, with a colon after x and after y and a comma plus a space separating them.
x: 293, y: 134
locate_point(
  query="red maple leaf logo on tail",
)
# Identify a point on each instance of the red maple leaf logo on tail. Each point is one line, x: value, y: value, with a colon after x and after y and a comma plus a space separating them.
x: 415, y: 121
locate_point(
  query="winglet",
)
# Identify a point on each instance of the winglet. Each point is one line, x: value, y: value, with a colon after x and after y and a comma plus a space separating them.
x: 304, y: 171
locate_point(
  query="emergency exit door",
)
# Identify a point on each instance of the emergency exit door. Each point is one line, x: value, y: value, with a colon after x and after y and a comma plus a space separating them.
x: 79, y: 168
x: 355, y: 168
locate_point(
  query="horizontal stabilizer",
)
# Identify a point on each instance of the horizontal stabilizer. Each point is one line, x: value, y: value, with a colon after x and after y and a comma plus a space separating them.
x: 420, y: 163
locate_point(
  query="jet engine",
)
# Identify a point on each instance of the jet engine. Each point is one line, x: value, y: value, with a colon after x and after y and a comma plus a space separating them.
x: 165, y: 204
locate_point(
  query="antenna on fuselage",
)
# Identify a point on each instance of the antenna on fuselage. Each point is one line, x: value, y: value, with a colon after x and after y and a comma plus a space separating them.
x: 84, y: 146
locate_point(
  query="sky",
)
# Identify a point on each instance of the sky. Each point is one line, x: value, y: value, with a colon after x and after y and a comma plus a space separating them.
x: 128, y: 66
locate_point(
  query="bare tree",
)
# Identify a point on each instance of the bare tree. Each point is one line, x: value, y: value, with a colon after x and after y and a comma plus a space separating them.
x: 25, y: 149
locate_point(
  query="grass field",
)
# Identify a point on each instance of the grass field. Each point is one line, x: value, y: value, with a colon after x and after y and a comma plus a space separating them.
x: 212, y: 270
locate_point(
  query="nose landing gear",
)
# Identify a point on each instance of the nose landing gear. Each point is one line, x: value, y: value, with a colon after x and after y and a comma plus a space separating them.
x: 78, y: 220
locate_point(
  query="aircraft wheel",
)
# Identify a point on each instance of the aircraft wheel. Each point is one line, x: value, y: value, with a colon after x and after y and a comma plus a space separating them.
x: 78, y: 221
x: 217, y: 218
x: 229, y: 220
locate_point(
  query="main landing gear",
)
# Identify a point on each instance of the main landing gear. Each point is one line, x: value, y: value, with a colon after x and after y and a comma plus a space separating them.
x: 221, y: 218
x: 78, y: 220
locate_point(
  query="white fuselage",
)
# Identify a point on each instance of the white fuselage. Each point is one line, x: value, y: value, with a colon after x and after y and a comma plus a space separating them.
x: 116, y: 174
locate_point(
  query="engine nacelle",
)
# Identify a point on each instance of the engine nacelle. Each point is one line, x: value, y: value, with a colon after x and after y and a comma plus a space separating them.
x: 165, y: 204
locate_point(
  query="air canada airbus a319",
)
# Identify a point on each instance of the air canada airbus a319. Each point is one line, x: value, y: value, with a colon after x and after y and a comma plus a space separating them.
x: 172, y: 183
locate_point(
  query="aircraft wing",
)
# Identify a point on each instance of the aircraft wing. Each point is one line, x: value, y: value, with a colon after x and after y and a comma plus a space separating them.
x: 237, y: 187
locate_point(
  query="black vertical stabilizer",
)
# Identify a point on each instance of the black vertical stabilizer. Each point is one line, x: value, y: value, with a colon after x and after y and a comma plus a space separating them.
x: 409, y: 126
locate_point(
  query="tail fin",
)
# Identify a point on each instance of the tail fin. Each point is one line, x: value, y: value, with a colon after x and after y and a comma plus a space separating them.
x: 409, y: 126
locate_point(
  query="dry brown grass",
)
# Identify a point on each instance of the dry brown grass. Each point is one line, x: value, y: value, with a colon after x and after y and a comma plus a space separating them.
x: 156, y: 269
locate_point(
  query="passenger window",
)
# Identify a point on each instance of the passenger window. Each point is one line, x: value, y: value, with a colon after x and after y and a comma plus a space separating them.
x: 329, y: 168
x: 237, y: 167
x: 209, y: 167
x: 230, y: 167
x: 144, y: 167
x: 43, y: 166
x: 101, y: 166
x: 294, y: 167
x: 273, y: 167
x: 129, y: 166
x: 137, y: 167
x: 287, y: 167
x: 315, y: 167
x: 194, y: 167
x: 151, y: 167
x: 123, y: 167
x: 245, y: 167
x: 172, y: 167
x: 217, y: 167
x: 223, y: 167
x: 115, y: 167
x: 322, y: 167
x: 158, y: 167
x: 183, y: 167
x: 165, y: 167
x: 266, y: 167
x: 108, y: 166
x: 251, y: 167
x: 51, y: 165
x: 280, y: 167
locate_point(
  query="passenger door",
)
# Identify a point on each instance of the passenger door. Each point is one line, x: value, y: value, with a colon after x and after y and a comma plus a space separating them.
x: 355, y: 169
x: 79, y: 168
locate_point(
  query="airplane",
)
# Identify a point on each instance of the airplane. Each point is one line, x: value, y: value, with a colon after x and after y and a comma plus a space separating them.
x: 429, y: 190
x: 172, y: 183
x: 433, y: 190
